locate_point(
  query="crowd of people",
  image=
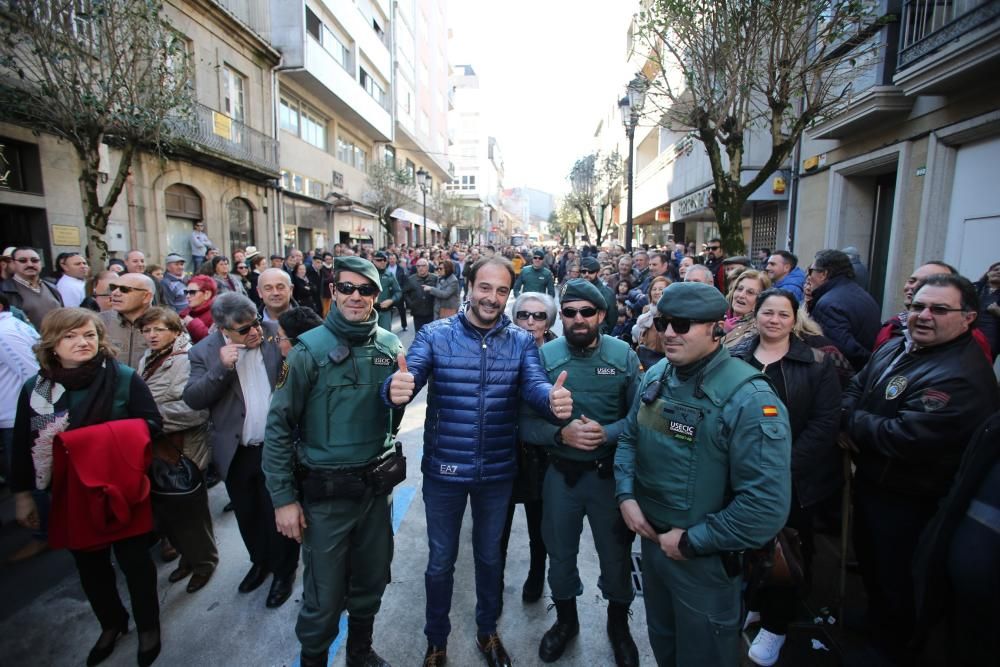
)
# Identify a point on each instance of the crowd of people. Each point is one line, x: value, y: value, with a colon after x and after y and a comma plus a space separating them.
x: 702, y: 402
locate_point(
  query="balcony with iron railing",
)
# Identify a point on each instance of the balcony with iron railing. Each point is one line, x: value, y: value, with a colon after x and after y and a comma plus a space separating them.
x: 214, y: 137
x: 945, y: 44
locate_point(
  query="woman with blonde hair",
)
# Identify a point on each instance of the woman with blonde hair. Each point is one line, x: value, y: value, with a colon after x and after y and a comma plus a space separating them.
x: 80, y: 384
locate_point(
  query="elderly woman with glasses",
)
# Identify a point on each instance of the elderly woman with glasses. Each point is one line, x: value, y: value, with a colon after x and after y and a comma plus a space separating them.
x: 184, y: 520
x: 535, y: 312
x: 226, y: 282
x: 740, y: 322
x: 447, y: 292
x: 197, y: 317
x: 80, y: 385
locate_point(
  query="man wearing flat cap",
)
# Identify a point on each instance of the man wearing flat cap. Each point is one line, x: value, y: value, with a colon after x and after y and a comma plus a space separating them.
x: 327, y: 419
x: 173, y: 283
x: 535, y: 278
x: 603, y: 374
x: 590, y: 270
x: 702, y: 473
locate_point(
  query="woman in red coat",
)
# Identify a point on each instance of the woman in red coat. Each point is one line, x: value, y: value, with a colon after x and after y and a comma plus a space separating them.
x: 197, y: 317
x: 79, y: 385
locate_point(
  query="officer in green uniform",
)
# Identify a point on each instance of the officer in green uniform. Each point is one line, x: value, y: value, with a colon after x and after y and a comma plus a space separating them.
x: 536, y: 278
x: 702, y: 473
x: 327, y: 457
x: 590, y: 270
x: 603, y: 375
x: 391, y: 291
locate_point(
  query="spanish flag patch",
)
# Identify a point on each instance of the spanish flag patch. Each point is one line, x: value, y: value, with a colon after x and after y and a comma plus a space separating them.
x: 770, y: 410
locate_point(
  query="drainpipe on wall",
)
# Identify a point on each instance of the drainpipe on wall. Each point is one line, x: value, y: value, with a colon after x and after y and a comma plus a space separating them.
x: 793, y: 188
x: 133, y: 233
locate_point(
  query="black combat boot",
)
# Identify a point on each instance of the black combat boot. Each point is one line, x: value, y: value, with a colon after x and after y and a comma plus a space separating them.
x: 566, y: 627
x: 626, y: 652
x: 359, y: 644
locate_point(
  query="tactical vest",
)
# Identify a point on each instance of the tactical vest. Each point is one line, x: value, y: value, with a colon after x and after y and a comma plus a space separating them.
x: 599, y: 384
x: 682, y: 450
x: 345, y: 422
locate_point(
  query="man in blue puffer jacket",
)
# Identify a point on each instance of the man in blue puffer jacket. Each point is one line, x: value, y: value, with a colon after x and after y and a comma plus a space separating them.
x: 481, y: 367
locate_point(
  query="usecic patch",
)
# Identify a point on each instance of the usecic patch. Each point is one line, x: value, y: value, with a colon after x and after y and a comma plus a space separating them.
x: 770, y: 410
x: 682, y: 431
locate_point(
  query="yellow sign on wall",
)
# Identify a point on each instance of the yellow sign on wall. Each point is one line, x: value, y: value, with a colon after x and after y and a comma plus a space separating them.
x: 66, y: 235
x: 222, y: 125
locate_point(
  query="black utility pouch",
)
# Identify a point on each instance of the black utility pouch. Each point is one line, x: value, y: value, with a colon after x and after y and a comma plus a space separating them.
x: 318, y: 486
x: 387, y: 474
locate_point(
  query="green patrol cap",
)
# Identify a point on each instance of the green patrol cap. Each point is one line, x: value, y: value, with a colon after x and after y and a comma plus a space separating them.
x: 579, y: 289
x: 590, y: 263
x: 358, y: 265
x: 693, y: 301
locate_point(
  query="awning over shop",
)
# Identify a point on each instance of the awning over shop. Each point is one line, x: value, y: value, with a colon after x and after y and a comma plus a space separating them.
x: 414, y: 218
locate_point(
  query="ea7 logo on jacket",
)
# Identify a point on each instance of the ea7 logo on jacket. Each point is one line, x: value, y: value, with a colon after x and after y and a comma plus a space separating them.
x: 448, y: 470
x: 606, y: 371
x: 382, y: 361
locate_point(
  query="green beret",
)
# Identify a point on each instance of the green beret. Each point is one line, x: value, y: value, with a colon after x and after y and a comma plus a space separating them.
x: 380, y: 255
x: 693, y: 301
x: 590, y: 263
x: 579, y: 289
x: 538, y: 253
x: 358, y: 265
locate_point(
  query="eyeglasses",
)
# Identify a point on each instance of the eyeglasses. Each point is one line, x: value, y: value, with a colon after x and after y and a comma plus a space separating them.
x: 587, y: 311
x: 347, y: 289
x: 537, y: 258
x: 680, y: 325
x: 153, y: 330
x: 284, y: 339
x: 538, y: 317
x: 813, y: 269
x: 191, y: 292
x: 244, y: 330
x: 588, y: 272
x: 749, y: 291
x: 125, y: 289
x: 937, y: 310
x: 241, y: 266
x: 28, y: 260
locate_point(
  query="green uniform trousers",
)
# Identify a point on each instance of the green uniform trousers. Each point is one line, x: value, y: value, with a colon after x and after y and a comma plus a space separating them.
x: 692, y: 609
x: 347, y: 550
x: 562, y: 521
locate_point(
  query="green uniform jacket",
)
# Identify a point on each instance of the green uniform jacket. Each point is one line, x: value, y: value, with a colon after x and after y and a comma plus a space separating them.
x: 326, y: 414
x: 535, y: 280
x: 390, y: 290
x: 611, y: 317
x: 603, y: 381
x: 711, y: 455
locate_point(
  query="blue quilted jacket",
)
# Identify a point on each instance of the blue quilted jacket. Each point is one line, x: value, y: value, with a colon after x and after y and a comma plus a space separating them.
x: 476, y: 384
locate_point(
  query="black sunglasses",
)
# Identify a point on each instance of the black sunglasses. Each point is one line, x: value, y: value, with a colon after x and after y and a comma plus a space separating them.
x: 679, y: 324
x: 348, y: 288
x: 125, y: 289
x: 244, y: 330
x: 587, y: 271
x: 538, y: 317
x: 588, y: 311
x: 189, y: 292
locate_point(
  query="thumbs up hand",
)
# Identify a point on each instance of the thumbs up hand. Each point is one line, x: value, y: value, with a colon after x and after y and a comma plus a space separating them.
x: 402, y: 384
x: 560, y: 398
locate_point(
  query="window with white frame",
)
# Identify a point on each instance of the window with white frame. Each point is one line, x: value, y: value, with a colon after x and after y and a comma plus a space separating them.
x: 349, y: 151
x: 234, y: 94
x: 288, y: 115
x: 296, y: 117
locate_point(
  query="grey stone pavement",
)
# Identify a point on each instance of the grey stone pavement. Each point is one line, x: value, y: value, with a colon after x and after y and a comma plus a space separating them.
x: 45, y: 618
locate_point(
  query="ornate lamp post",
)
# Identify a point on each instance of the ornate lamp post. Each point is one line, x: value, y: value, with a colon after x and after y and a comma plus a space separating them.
x: 424, y: 181
x: 631, y: 106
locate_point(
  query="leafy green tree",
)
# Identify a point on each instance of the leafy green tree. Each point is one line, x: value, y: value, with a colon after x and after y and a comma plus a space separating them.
x: 722, y: 68
x: 94, y: 72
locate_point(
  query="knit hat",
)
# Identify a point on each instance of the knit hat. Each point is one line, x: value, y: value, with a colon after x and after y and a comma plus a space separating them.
x: 693, y: 301
x: 579, y: 289
x: 358, y: 265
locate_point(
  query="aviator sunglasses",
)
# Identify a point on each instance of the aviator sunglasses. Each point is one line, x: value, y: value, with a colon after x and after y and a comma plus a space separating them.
x: 348, y: 288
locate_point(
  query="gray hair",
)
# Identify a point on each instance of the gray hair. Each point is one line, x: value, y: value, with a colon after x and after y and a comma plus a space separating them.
x: 698, y: 268
x: 548, y: 303
x: 231, y: 308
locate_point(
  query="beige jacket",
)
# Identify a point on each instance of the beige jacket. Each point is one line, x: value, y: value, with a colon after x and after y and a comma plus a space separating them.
x: 167, y: 384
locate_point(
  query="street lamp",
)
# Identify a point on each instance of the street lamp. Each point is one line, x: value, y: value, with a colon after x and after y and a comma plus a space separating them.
x: 631, y: 106
x: 424, y: 181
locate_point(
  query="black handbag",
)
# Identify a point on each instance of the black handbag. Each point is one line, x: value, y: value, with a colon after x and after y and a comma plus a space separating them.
x: 174, y: 479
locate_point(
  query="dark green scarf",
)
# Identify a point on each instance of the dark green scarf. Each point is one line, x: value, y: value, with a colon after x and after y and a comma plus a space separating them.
x: 353, y: 333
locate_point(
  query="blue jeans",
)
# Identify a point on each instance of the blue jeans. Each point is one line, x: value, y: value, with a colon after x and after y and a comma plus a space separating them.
x: 444, y: 503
